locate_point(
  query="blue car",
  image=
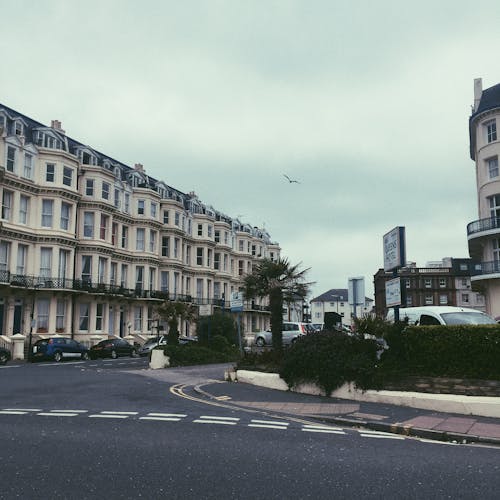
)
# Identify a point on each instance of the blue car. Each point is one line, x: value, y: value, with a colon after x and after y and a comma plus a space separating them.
x: 58, y: 348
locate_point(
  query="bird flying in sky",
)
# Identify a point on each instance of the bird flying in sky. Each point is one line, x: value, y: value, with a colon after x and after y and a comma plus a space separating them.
x: 291, y: 180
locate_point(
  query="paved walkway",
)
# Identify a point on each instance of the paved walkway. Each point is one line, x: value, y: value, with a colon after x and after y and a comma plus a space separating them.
x: 378, y: 416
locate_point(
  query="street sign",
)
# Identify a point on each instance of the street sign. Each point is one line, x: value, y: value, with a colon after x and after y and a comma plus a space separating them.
x: 393, y: 292
x: 236, y: 302
x: 204, y: 309
x: 395, y: 249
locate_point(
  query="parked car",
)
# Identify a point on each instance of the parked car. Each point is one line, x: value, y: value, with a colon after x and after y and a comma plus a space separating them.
x: 4, y: 356
x: 58, y: 348
x: 292, y: 330
x: 441, y: 315
x: 150, y: 344
x: 112, y: 348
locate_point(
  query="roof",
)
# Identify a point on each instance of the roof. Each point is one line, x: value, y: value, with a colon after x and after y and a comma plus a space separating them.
x: 335, y: 295
x: 490, y: 99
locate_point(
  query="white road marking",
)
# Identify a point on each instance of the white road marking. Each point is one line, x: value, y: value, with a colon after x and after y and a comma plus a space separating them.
x: 53, y: 414
x: 23, y: 409
x: 164, y: 419
x: 220, y: 418
x: 382, y: 436
x: 324, y: 431
x: 221, y: 422
x: 12, y: 412
x: 271, y: 422
x: 10, y: 366
x: 322, y: 427
x: 120, y: 412
x: 267, y: 426
x: 70, y: 411
x: 179, y: 415
x: 108, y: 416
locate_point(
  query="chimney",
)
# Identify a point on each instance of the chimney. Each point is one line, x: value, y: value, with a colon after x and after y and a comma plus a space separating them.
x: 139, y: 167
x: 478, y: 91
x: 56, y: 125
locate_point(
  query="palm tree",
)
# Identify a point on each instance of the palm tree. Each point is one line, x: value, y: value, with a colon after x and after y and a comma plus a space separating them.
x: 171, y: 312
x: 280, y: 281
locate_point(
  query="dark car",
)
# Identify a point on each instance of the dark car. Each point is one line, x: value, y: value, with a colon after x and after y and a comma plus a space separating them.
x: 112, y: 348
x: 58, y: 348
x: 4, y: 356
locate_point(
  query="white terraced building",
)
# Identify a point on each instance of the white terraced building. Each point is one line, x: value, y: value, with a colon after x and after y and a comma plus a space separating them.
x: 484, y: 234
x: 89, y: 246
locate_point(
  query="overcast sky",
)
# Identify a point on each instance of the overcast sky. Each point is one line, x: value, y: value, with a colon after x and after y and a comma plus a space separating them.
x: 366, y: 103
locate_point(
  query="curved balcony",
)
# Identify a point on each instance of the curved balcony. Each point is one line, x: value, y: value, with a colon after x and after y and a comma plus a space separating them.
x: 482, y: 225
x: 486, y: 270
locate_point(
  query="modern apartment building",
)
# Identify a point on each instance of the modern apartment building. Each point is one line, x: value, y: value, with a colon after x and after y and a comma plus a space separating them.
x: 443, y: 283
x: 484, y: 234
x: 90, y: 246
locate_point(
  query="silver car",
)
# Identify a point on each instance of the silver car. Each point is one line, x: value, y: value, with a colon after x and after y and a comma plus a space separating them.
x: 292, y: 330
x: 150, y: 344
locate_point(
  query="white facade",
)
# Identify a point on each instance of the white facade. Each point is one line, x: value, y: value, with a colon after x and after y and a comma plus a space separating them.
x: 484, y: 233
x: 89, y: 246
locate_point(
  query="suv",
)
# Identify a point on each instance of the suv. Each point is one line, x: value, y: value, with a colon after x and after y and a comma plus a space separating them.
x: 58, y: 348
x: 292, y: 330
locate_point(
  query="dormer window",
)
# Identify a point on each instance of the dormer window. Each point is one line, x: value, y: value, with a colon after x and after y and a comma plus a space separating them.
x: 18, y: 128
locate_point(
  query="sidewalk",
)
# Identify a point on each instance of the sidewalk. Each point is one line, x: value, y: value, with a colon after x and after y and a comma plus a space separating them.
x: 395, y: 418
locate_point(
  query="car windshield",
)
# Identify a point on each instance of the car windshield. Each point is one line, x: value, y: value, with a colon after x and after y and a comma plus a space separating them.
x: 467, y: 318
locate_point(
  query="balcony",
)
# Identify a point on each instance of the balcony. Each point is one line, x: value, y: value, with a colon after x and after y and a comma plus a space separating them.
x: 486, y: 270
x: 491, y: 225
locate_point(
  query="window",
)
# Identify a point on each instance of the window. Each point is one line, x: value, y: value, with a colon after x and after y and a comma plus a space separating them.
x: 491, y: 130
x: 65, y: 211
x: 47, y: 211
x: 165, y: 216
x: 139, y: 242
x: 24, y: 202
x: 60, y: 314
x: 152, y: 241
x: 42, y: 314
x: 18, y: 128
x: 176, y: 248
x: 465, y: 298
x: 429, y: 300
x: 188, y: 255
x: 139, y: 277
x: 428, y: 283
x: 216, y: 260
x: 105, y: 191
x: 45, y: 262
x: 209, y: 258
x: 103, y: 231
x: 67, y: 176
x: 177, y: 219
x: 154, y: 210
x: 200, y: 229
x: 28, y: 166
x: 4, y: 255
x: 241, y: 269
x: 22, y: 252
x: 114, y: 274
x: 240, y: 245
x: 84, y: 317
x: 124, y: 280
x: 443, y: 299
x: 117, y: 198
x: 63, y: 264
x: 199, y: 256
x: 7, y: 204
x: 210, y: 230
x: 11, y: 159
x: 89, y: 187
x: 164, y: 281
x: 87, y: 269
x: 152, y: 278
x: 101, y: 270
x: 165, y: 240
x: 492, y: 164
x: 442, y: 282
x: 127, y: 203
x: 124, y: 243
x: 217, y: 236
x: 138, y: 318
x: 50, y: 172
x: 494, y: 202
x: 140, y: 207
x: 465, y: 282
x: 99, y: 310
x: 88, y: 224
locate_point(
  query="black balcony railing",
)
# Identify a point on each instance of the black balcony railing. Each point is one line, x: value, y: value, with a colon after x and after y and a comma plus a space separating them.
x: 483, y: 225
x: 491, y: 267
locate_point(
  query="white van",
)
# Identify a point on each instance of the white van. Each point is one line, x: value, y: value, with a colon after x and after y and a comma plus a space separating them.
x: 441, y: 315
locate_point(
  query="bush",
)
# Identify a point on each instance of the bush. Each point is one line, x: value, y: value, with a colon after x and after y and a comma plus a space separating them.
x: 219, y: 324
x: 328, y: 359
x: 265, y: 361
x: 189, y: 354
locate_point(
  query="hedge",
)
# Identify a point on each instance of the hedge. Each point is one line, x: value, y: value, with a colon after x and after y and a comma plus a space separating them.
x: 186, y: 355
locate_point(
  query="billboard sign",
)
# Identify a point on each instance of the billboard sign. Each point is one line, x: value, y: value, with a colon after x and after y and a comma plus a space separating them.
x: 394, y: 249
x: 393, y: 292
x: 356, y: 291
x: 236, y: 302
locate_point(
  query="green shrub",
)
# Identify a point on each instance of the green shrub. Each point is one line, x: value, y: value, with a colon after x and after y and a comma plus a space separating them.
x: 264, y: 361
x: 218, y: 324
x: 328, y: 359
x: 189, y: 354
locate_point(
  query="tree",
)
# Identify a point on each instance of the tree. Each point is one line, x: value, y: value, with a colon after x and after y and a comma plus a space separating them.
x: 218, y: 324
x: 280, y: 281
x: 171, y: 312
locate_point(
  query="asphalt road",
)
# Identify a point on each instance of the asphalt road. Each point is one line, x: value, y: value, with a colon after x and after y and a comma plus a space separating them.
x: 114, y: 429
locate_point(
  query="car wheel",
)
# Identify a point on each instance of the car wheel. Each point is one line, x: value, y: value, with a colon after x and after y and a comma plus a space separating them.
x: 260, y: 341
x: 3, y: 358
x: 58, y: 356
x: 85, y: 356
x: 113, y: 354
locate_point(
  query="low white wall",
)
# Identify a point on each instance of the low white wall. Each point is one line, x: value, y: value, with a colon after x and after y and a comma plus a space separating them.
x: 448, y: 403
